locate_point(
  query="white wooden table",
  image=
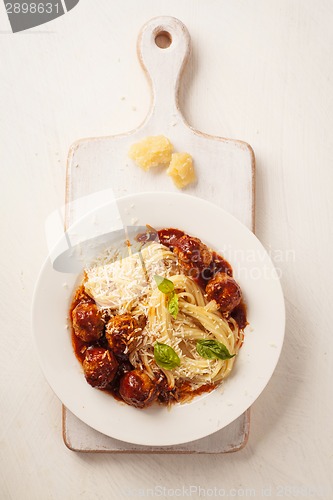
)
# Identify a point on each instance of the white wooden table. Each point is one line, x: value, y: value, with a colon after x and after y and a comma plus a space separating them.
x: 261, y: 71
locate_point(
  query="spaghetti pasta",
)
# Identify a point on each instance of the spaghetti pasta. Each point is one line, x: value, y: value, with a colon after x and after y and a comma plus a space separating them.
x: 127, y: 287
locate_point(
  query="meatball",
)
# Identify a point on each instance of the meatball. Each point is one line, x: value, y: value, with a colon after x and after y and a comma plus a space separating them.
x: 88, y: 323
x: 120, y: 332
x: 100, y: 367
x: 225, y: 291
x: 169, y: 237
x: 150, y: 235
x: 81, y: 296
x: 137, y: 389
x: 193, y: 255
x: 220, y: 265
x: 166, y: 392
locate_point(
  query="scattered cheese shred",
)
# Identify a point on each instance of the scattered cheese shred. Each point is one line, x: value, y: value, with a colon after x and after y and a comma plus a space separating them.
x: 181, y: 169
x: 115, y: 281
x: 151, y: 152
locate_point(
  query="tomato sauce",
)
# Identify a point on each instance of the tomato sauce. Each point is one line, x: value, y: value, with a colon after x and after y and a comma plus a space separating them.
x: 169, y: 238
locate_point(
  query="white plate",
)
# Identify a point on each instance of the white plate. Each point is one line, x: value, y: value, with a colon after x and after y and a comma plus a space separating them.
x: 158, y: 426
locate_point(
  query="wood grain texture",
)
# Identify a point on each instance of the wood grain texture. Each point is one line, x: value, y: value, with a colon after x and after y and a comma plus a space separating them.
x: 225, y: 170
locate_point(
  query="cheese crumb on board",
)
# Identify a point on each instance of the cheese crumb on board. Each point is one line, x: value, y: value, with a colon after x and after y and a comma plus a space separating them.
x: 151, y: 152
x: 181, y: 169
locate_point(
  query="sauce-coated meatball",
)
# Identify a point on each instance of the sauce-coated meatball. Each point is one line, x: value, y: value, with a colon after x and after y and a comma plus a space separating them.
x: 192, y: 253
x: 225, y: 291
x: 169, y: 237
x: 220, y: 265
x: 120, y: 332
x: 100, y: 367
x: 81, y: 296
x: 88, y: 323
x: 137, y: 389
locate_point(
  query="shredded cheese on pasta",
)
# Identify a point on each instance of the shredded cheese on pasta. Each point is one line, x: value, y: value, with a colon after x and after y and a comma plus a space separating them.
x: 125, y: 284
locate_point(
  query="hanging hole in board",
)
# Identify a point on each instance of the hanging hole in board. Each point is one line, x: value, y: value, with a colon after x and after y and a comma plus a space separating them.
x: 163, y: 39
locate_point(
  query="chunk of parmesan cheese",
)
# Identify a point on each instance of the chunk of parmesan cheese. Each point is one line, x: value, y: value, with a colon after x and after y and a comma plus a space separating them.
x: 181, y: 169
x: 151, y: 152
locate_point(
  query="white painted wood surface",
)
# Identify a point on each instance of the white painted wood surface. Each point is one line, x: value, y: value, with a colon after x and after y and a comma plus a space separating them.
x: 261, y: 71
x: 225, y: 168
x: 81, y: 438
x: 225, y: 172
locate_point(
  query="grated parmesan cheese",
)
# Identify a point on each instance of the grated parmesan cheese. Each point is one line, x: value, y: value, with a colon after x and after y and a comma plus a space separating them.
x: 116, y: 281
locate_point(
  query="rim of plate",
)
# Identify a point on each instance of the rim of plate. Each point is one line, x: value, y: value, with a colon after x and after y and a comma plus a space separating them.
x: 205, y: 414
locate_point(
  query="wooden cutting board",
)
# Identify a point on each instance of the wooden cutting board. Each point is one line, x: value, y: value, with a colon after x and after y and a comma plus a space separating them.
x: 225, y: 169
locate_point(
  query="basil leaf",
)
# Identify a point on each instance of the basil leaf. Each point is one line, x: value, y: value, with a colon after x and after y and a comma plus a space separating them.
x: 163, y: 284
x: 173, y: 305
x: 165, y: 356
x: 212, y: 349
x: 167, y: 287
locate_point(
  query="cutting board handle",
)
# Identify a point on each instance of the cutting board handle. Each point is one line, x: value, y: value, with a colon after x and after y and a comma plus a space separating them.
x: 163, y: 50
